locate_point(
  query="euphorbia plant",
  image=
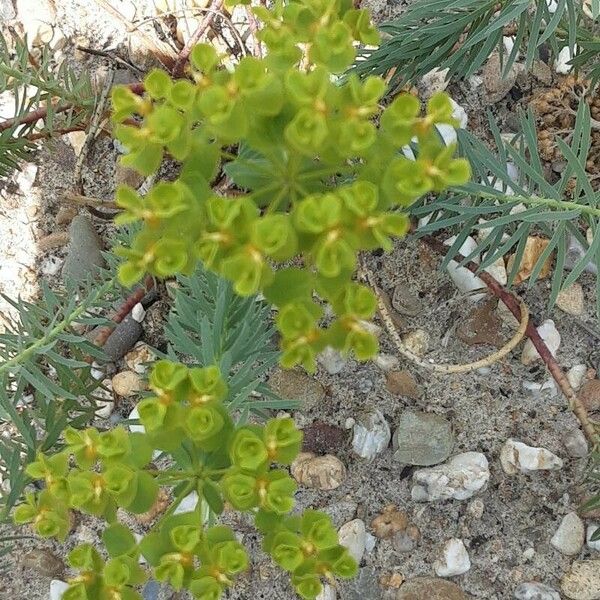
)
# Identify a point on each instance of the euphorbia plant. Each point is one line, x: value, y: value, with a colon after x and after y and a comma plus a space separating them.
x: 318, y: 157
x: 98, y: 473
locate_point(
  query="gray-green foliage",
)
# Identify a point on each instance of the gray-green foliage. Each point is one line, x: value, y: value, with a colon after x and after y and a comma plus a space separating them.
x: 211, y: 325
x: 488, y: 202
x: 40, y: 85
x: 461, y: 34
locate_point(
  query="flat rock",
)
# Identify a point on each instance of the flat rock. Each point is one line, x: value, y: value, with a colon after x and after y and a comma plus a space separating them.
x: 589, y: 394
x: 405, y: 302
x: 497, y: 84
x: 371, y: 434
x: 417, y: 342
x: 84, y: 256
x: 430, y: 588
x: 570, y: 535
x: 127, y: 383
x: 516, y: 456
x: 459, y: 478
x: 536, y: 591
x: 575, y: 443
x: 57, y: 589
x: 422, y: 439
x: 582, y: 581
x: 353, y: 536
x: 402, y: 383
x: 332, y: 360
x: 43, y: 562
x: 571, y: 300
x: 297, y: 385
x: 364, y: 586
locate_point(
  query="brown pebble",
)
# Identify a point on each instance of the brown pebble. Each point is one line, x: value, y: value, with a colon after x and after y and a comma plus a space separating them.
x: 322, y: 438
x: 589, y: 394
x: 402, y: 383
x: 53, y: 240
x: 127, y: 176
x: 44, y: 562
x: 389, y: 522
x: 65, y: 215
x: 391, y: 580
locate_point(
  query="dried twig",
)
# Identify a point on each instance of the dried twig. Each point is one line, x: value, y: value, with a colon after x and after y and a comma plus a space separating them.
x: 513, y: 305
x: 93, y: 127
x: 182, y: 59
x: 33, y: 116
x: 437, y: 367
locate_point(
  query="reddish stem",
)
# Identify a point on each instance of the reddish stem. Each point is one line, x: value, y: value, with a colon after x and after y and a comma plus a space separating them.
x: 513, y: 305
x: 124, y: 310
x: 215, y: 6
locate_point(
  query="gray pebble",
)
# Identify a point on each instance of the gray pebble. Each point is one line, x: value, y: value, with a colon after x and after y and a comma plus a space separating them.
x: 364, y: 587
x: 422, y: 439
x: 123, y: 338
x: 84, y: 256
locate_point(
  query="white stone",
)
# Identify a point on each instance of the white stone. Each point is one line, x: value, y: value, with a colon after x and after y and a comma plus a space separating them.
x: 576, y: 444
x: 332, y: 360
x: 576, y: 376
x: 433, y: 82
x: 134, y: 415
x: 466, y: 281
x: 547, y: 388
x: 189, y: 503
x: 552, y: 6
x: 460, y: 114
x: 454, y: 559
x: 575, y: 252
x: 138, y: 312
x: 349, y: 423
x: 475, y: 508
x: 570, y: 535
x: 498, y: 271
x: 97, y: 372
x: 459, y: 478
x: 528, y: 553
x: 561, y: 64
x: 387, y: 362
x: 57, y: 589
x: 370, y: 542
x: 591, y: 529
x: 371, y: 434
x: 447, y: 133
x: 551, y: 337
x: 509, y: 43
x: 353, y: 535
x: 536, y: 591
x: 516, y: 456
x: 105, y: 409
x: 327, y: 593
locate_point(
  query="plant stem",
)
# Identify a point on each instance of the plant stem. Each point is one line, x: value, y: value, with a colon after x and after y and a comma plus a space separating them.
x: 56, y: 330
x: 538, y: 200
x: 513, y: 305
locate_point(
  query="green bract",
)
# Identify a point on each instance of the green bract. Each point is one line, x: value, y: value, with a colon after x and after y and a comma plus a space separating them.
x: 100, y: 473
x: 321, y: 180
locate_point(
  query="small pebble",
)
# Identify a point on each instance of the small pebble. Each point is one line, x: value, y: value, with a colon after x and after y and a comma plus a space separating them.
x: 422, y: 439
x: 407, y: 539
x: 57, y: 589
x: 138, y: 359
x: 591, y: 529
x: 319, y: 472
x: 571, y: 300
x: 536, y: 591
x: 43, y: 562
x: 551, y: 337
x: 576, y: 376
x: 405, y: 302
x: 575, y: 443
x: 454, y: 559
x: 582, y: 581
x: 292, y: 384
x: 432, y: 82
x: 402, y: 383
x: 353, y: 536
x: 387, y: 362
x: 516, y: 456
x: 475, y: 508
x: 459, y: 478
x: 371, y: 434
x: 528, y: 553
x: 570, y: 535
x: 589, y: 394
x: 127, y: 383
x: 138, y: 312
x: 327, y: 593
x: 417, y: 342
x: 332, y: 360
